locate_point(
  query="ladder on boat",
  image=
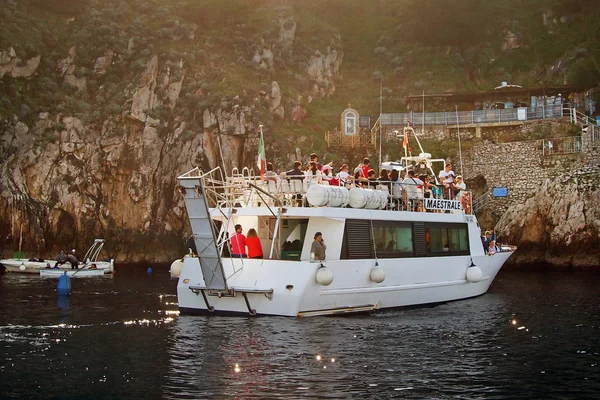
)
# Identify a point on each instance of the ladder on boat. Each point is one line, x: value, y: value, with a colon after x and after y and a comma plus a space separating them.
x: 205, y: 237
x: 209, y: 243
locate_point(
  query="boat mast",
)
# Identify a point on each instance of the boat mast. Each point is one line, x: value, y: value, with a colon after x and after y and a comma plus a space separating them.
x: 221, y: 153
x: 459, y: 147
x: 380, y: 112
x: 423, y: 116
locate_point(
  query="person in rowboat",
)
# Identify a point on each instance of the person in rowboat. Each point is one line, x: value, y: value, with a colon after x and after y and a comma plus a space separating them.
x: 72, y: 258
x: 61, y: 258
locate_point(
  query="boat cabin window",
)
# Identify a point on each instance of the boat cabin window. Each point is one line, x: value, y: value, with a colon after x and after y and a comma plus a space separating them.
x: 399, y: 239
x: 292, y: 234
x: 446, y: 239
x: 393, y: 239
x: 389, y: 239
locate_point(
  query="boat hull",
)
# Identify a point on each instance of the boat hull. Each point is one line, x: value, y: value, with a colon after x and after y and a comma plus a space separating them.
x: 80, y: 273
x: 34, y: 267
x: 296, y: 292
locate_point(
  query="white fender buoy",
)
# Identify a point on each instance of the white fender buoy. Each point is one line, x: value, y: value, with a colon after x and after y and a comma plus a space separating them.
x: 474, y: 274
x: 175, y: 269
x: 377, y: 274
x: 22, y: 267
x: 324, y: 276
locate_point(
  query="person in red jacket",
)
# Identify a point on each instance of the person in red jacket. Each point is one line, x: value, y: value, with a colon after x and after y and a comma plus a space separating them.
x: 253, y: 243
x: 238, y: 243
x: 366, y: 167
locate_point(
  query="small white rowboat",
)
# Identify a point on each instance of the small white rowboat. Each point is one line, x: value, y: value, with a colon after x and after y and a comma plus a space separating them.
x: 73, y: 273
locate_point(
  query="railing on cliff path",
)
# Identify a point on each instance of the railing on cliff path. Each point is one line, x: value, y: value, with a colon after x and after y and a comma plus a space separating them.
x: 573, y: 144
x: 589, y: 127
x: 481, y: 201
x: 451, y: 118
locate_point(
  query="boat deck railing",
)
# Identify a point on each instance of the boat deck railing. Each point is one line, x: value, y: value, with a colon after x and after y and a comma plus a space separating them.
x: 247, y: 190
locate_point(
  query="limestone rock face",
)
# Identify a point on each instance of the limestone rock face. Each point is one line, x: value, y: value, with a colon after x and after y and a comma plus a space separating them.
x: 145, y: 97
x: 287, y: 31
x: 511, y: 41
x: 11, y: 64
x: 66, y: 68
x: 68, y: 178
x: 82, y: 186
x: 171, y: 85
x: 275, y: 97
x: 263, y: 58
x: 102, y: 63
x: 559, y: 225
x: 231, y: 128
x: 324, y: 69
x: 64, y: 64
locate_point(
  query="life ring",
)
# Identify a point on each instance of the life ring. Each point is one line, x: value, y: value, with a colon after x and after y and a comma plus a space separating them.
x: 465, y: 201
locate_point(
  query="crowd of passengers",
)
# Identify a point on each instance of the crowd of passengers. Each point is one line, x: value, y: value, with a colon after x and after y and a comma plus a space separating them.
x: 490, y: 243
x: 363, y: 175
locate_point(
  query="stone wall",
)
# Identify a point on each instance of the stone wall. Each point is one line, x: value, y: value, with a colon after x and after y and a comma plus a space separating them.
x: 510, y: 155
x: 523, y: 169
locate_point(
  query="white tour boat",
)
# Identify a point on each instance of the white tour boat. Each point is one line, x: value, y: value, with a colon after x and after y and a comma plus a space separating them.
x: 384, y: 250
x: 34, y: 266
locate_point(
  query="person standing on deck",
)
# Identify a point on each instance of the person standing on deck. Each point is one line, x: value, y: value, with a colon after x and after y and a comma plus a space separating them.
x: 447, y: 178
x: 295, y: 172
x: 238, y: 243
x: 253, y: 244
x: 365, y: 167
x: 315, y: 158
x: 318, y: 247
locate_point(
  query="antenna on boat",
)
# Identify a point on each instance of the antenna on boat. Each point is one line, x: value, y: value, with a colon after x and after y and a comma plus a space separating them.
x: 423, y: 116
x: 221, y: 153
x: 380, y: 112
x: 459, y: 146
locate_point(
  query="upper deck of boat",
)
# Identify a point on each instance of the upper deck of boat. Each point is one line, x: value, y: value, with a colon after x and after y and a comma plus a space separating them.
x: 245, y: 194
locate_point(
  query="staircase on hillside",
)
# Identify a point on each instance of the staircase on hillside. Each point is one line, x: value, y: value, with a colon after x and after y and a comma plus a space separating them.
x: 589, y: 127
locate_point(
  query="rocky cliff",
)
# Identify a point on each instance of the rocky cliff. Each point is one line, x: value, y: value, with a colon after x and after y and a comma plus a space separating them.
x: 105, y: 102
x: 68, y: 177
x: 559, y: 224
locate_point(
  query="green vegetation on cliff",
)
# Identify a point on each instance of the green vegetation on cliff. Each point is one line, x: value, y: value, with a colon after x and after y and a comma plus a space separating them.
x: 408, y: 46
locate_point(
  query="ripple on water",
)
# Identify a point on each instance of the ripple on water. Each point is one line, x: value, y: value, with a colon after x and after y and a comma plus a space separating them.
x: 123, y: 338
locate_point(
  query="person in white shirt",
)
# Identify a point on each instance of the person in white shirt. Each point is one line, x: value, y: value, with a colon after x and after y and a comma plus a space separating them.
x: 313, y: 175
x: 413, y: 186
x: 343, y: 174
x: 271, y: 175
x: 411, y: 180
x: 459, y: 184
x: 447, y: 178
x: 326, y: 172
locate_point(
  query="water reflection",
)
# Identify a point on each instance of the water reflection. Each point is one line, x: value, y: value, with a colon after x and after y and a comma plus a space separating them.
x: 123, y: 338
x: 64, y: 302
x: 337, y: 357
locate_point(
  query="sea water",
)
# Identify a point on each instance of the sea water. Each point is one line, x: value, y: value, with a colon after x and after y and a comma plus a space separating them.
x: 535, y: 334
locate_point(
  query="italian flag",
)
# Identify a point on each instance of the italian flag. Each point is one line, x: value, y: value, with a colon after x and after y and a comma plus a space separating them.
x: 261, y: 163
